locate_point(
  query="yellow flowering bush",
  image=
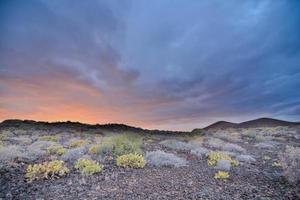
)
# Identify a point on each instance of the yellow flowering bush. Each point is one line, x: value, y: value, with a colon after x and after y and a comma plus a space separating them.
x: 276, y: 164
x: 214, y: 156
x: 47, y: 170
x: 131, y: 161
x: 221, y: 175
x: 88, y: 167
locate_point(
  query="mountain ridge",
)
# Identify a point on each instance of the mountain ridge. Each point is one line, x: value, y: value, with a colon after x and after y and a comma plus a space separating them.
x: 255, y: 123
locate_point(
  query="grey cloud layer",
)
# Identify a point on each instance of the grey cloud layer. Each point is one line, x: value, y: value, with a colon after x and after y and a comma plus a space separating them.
x: 168, y: 60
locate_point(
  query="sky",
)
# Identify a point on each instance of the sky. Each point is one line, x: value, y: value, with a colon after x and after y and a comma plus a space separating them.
x: 159, y: 64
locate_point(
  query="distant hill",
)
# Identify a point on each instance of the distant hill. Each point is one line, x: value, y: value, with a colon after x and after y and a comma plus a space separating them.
x: 261, y: 122
x: 41, y: 125
x: 221, y: 125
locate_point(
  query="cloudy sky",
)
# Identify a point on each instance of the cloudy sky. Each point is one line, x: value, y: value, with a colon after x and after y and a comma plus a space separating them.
x: 157, y: 64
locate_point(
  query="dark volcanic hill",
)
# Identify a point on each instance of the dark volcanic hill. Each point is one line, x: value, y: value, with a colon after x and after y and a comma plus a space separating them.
x: 260, y: 122
x: 221, y: 125
x: 41, y: 125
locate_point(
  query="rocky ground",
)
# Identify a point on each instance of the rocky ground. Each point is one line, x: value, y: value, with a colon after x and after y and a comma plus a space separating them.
x: 176, y: 165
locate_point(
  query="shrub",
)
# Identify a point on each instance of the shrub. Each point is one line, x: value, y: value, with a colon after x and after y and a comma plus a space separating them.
x: 265, y: 145
x: 221, y: 175
x: 276, y: 164
x: 246, y: 158
x: 104, y: 147
x: 126, y: 144
x: 47, y: 170
x: 94, y: 149
x: 56, y: 149
x: 78, y: 143
x: 131, y: 161
x: 290, y: 160
x: 177, y: 145
x: 160, y: 158
x: 72, y: 155
x: 266, y: 158
x: 49, y: 138
x: 88, y: 166
x: 214, y: 156
x: 10, y: 152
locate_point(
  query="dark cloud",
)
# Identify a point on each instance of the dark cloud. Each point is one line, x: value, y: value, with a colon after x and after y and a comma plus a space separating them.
x: 166, y: 64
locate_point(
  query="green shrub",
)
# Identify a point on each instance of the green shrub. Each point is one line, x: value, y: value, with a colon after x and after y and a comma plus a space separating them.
x: 221, y: 175
x: 214, y: 156
x: 254, y: 136
x: 88, y: 167
x: 56, y: 149
x: 49, y: 138
x: 47, y: 170
x: 126, y: 144
x: 104, y: 147
x: 78, y: 143
x: 131, y: 161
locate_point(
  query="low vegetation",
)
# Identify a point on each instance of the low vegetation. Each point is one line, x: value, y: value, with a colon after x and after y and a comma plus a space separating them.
x: 131, y: 161
x: 78, y: 143
x: 276, y: 164
x: 215, y: 156
x: 56, y: 150
x: 103, y: 148
x: 88, y: 166
x: 290, y: 160
x: 126, y: 144
x: 49, y: 138
x: 46, y: 170
x: 160, y: 158
x: 221, y: 175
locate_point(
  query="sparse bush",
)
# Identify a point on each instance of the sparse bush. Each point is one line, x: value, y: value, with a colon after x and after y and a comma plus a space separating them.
x: 88, y: 167
x: 221, y: 175
x: 5, y: 134
x: 78, y: 143
x: 49, y: 138
x: 290, y: 160
x: 10, y: 152
x: 131, y: 161
x: 72, y: 155
x: 47, y: 170
x: 56, y: 149
x: 105, y: 147
x: 266, y: 158
x: 38, y: 149
x: 246, y: 158
x: 199, y: 151
x: 225, y: 146
x: 160, y: 158
x: 177, y: 145
x: 126, y: 144
x: 3, y: 137
x: 214, y: 156
x: 94, y: 149
x: 232, y: 147
x: 23, y: 140
x: 276, y: 164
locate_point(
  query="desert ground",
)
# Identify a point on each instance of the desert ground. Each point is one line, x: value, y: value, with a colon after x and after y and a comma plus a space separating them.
x: 213, y: 163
